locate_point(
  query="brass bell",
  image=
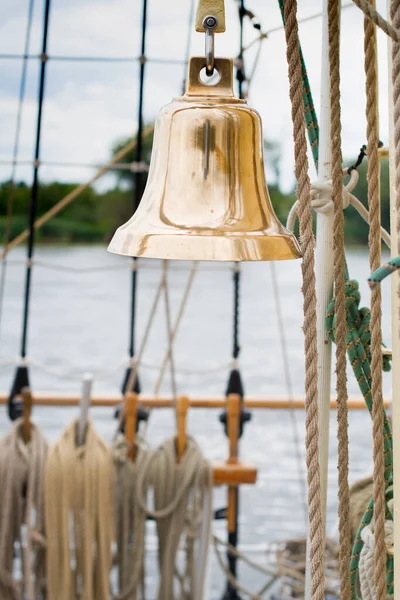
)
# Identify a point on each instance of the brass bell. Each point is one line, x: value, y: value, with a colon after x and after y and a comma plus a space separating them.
x: 206, y: 196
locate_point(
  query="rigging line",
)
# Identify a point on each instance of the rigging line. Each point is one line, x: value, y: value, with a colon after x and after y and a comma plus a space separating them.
x: 15, y: 157
x: 104, y: 59
x: 170, y: 331
x: 137, y: 194
x: 175, y: 328
x: 289, y: 388
x: 35, y: 184
x: 128, y: 166
x: 68, y: 198
x: 240, y: 70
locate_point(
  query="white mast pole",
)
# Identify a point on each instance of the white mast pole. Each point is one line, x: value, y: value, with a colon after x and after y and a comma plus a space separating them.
x: 395, y: 335
x: 324, y: 279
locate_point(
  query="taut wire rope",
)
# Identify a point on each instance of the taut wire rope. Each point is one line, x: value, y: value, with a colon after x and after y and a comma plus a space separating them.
x: 15, y: 157
x: 137, y: 196
x: 339, y: 271
x: 170, y: 332
x: 66, y: 201
x: 316, y: 524
x: 174, y: 331
x: 371, y: 71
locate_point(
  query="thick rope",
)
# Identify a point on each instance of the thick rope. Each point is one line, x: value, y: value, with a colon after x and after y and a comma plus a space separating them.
x: 78, y: 490
x: 340, y: 300
x: 21, y: 503
x: 371, y: 72
x: 395, y: 17
x: 380, y: 274
x: 371, y: 13
x: 310, y: 115
x: 182, y: 507
x: 359, y: 352
x: 316, y: 524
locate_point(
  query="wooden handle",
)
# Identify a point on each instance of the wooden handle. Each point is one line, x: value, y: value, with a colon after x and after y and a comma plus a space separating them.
x: 130, y: 423
x: 215, y: 8
x: 182, y: 407
x: 26, y: 414
x: 233, y: 416
x: 231, y: 516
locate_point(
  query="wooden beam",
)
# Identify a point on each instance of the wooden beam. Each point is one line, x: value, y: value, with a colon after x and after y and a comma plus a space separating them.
x: 273, y: 403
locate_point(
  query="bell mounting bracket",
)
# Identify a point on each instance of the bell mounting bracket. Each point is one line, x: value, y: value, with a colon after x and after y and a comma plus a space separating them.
x: 210, y: 24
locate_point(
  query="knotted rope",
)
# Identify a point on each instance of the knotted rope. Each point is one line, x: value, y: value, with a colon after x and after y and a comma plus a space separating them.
x: 339, y: 270
x: 182, y: 506
x: 359, y: 353
x: 79, y: 517
x: 316, y: 523
x: 21, y: 503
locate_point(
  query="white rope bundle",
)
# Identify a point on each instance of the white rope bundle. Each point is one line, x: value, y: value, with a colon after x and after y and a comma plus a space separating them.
x: 366, y: 566
x: 183, y: 511
x: 21, y: 503
x: 79, y: 517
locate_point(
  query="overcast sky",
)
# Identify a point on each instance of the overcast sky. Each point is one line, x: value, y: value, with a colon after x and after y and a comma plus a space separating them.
x: 90, y: 105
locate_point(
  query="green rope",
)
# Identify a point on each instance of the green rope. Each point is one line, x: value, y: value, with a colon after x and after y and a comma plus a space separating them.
x: 381, y: 273
x: 359, y: 352
x: 310, y: 115
x: 358, y: 348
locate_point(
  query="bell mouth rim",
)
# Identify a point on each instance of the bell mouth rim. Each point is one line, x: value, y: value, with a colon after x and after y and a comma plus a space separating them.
x: 209, y: 248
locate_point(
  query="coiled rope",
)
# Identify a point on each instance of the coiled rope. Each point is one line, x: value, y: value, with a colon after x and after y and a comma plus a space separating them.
x: 21, y: 504
x: 130, y: 521
x: 182, y: 509
x: 79, y: 517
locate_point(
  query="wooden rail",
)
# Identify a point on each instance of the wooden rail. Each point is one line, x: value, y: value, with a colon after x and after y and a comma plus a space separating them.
x: 274, y: 403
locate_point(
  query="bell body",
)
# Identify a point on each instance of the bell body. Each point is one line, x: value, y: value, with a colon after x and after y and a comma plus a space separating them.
x: 206, y: 196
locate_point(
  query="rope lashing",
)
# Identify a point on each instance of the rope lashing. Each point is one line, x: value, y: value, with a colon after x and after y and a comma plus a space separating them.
x: 321, y: 201
x: 359, y: 353
x: 310, y: 115
x: 78, y: 489
x: 21, y: 503
x: 384, y: 271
